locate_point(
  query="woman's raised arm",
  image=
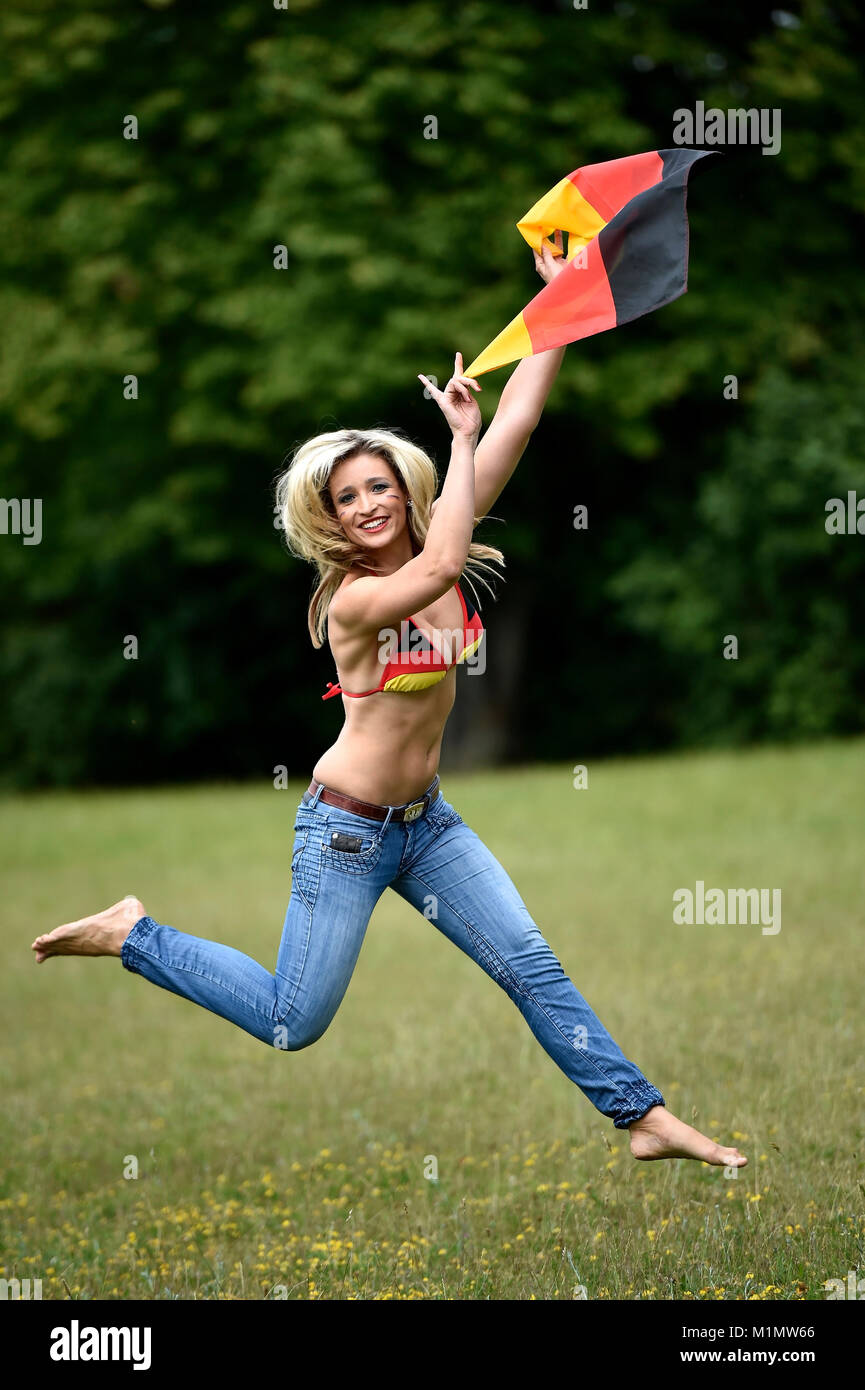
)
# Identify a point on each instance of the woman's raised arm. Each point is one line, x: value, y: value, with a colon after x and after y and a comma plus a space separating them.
x: 520, y: 407
x: 371, y: 602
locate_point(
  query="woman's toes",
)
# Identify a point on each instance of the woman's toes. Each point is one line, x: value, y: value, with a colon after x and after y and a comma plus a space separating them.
x: 730, y: 1157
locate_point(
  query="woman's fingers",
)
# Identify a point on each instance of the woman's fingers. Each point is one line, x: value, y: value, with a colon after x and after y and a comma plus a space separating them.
x: 452, y: 390
x: 459, y: 376
x: 465, y: 382
x: 453, y: 383
x: 433, y: 390
x: 460, y: 373
x: 458, y: 386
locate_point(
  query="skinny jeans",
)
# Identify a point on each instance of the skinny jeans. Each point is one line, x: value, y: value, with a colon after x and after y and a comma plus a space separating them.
x: 441, y: 867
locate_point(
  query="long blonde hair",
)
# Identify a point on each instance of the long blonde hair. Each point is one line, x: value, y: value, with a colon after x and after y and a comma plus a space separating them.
x: 313, y: 532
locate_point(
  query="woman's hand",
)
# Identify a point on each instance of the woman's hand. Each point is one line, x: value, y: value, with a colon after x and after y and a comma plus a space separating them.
x: 547, y: 265
x: 456, y: 402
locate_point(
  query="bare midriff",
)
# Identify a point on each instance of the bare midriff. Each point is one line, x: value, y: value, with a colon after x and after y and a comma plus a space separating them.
x: 388, y: 750
x: 389, y: 747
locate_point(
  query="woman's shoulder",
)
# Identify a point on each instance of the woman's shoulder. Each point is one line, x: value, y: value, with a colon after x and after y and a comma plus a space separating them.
x: 349, y: 579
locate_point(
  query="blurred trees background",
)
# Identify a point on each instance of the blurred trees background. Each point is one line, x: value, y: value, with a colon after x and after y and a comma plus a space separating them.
x: 304, y: 126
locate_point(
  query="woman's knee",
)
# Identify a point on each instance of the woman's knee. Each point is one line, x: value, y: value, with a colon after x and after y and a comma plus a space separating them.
x: 294, y: 1034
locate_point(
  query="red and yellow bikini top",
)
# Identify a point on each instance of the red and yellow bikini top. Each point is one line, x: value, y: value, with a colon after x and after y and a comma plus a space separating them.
x: 417, y: 663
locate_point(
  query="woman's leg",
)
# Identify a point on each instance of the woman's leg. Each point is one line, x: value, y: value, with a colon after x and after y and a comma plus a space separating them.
x: 289, y: 1009
x: 455, y: 881
x: 330, y: 906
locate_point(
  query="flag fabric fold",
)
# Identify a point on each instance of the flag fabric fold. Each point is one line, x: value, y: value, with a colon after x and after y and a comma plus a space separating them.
x: 627, y: 226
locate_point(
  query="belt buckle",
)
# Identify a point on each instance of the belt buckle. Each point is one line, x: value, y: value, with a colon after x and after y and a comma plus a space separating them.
x: 414, y: 810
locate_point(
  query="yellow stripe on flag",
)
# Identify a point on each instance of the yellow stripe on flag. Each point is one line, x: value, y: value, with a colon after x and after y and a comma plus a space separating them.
x: 512, y: 342
x: 563, y: 207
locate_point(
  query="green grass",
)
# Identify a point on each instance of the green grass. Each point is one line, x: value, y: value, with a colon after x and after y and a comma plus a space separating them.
x: 264, y: 1173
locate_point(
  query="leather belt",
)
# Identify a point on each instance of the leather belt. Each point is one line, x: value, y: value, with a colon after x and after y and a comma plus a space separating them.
x: 372, y: 811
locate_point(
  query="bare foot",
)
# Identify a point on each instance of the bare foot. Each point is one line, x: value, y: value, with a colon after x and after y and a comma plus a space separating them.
x: 101, y: 935
x: 660, y: 1135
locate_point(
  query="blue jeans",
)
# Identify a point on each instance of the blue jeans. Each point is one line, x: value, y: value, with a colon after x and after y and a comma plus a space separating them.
x: 443, y: 869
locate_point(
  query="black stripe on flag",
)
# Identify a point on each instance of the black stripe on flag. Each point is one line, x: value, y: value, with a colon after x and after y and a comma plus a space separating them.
x: 645, y: 246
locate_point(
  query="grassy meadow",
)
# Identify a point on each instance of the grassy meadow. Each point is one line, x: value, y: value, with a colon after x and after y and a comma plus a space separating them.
x: 268, y: 1174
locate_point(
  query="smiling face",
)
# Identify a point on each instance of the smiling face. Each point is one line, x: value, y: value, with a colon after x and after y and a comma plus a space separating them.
x: 368, y: 500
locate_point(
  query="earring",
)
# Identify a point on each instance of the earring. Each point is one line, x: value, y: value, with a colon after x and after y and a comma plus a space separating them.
x: 408, y: 504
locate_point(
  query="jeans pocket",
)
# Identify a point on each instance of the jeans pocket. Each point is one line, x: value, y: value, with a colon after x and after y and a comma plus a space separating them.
x: 360, y: 861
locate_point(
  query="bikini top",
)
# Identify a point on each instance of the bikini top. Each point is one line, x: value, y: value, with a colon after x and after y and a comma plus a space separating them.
x: 417, y: 663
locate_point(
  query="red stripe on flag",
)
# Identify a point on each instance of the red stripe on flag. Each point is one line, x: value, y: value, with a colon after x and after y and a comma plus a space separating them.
x: 577, y: 303
x: 610, y: 185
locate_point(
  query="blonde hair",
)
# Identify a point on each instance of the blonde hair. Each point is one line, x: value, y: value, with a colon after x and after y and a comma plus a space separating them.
x: 313, y: 532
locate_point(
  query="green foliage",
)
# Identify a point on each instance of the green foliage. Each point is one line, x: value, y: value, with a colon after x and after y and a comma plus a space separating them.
x: 303, y: 127
x: 759, y: 564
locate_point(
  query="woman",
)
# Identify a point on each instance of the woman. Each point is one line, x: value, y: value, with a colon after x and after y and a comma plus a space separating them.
x: 360, y: 506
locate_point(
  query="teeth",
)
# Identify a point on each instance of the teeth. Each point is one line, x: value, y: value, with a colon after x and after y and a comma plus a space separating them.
x: 373, y: 525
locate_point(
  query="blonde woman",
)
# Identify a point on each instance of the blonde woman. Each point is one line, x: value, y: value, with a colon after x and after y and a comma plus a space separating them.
x: 391, y: 599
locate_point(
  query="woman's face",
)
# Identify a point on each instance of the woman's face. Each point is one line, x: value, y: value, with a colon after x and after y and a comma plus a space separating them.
x: 368, y: 500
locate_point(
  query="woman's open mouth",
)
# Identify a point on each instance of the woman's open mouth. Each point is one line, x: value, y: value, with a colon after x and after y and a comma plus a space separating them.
x: 376, y: 523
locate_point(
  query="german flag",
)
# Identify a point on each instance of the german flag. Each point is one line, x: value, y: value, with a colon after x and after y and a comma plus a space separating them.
x: 627, y: 228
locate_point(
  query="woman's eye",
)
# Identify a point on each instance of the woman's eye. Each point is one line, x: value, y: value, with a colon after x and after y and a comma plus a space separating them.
x: 377, y: 485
